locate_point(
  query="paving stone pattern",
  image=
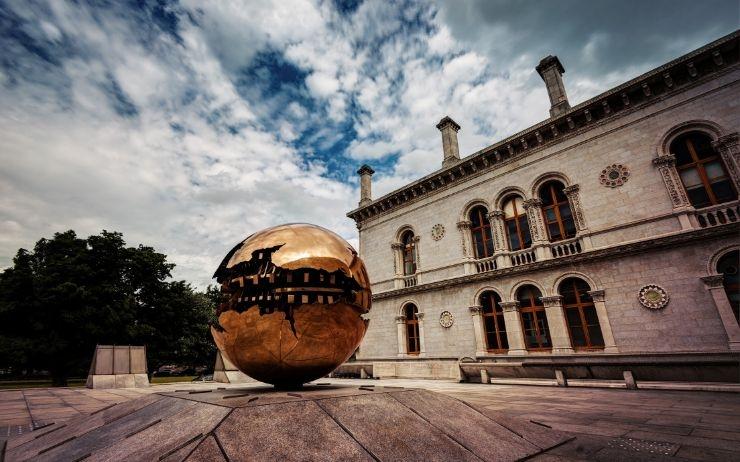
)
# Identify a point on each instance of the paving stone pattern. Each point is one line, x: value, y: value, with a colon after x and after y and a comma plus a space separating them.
x: 607, y: 424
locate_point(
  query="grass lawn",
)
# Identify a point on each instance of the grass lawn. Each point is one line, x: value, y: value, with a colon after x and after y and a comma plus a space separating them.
x: 43, y: 383
x: 37, y: 383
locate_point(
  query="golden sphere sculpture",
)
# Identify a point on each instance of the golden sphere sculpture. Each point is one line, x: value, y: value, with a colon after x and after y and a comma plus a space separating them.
x: 293, y: 296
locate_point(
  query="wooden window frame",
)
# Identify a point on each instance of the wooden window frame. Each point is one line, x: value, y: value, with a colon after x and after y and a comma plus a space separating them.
x: 580, y: 306
x: 486, y: 237
x: 516, y: 220
x: 495, y: 310
x: 555, y: 206
x: 412, y: 323
x: 537, y: 309
x: 698, y: 164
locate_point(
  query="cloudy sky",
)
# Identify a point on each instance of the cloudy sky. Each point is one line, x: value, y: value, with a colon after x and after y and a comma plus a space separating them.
x: 188, y: 125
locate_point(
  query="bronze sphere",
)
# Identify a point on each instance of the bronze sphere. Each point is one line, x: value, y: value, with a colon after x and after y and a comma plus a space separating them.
x: 293, y: 296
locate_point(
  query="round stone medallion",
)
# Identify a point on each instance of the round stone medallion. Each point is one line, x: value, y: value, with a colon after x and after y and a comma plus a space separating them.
x: 614, y: 175
x: 446, y: 319
x: 438, y: 232
x: 653, y: 296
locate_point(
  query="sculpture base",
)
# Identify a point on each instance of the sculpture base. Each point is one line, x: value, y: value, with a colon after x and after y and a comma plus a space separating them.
x: 317, y: 422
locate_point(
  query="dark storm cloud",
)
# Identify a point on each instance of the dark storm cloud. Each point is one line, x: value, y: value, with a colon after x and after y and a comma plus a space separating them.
x: 591, y: 37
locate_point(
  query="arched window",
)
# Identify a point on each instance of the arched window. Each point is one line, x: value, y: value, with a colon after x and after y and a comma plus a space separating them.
x: 556, y: 212
x: 702, y: 172
x: 480, y: 228
x: 493, y: 320
x: 534, y: 320
x: 727, y: 266
x: 412, y: 329
x: 580, y: 313
x: 409, y: 253
x: 516, y: 224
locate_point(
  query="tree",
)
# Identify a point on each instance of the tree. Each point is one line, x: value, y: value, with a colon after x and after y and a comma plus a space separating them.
x: 69, y: 294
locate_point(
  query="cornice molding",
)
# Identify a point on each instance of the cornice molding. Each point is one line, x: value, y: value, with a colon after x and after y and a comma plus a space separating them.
x: 711, y: 61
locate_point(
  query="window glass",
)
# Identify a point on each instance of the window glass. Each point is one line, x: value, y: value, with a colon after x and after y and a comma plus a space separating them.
x: 727, y: 266
x: 714, y: 170
x: 524, y: 226
x: 702, y: 145
x: 681, y: 151
x: 475, y: 217
x: 723, y: 191
x: 513, y: 205
x: 690, y: 177
x: 698, y: 197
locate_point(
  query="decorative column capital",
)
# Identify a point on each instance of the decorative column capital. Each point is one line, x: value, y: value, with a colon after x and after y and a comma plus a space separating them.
x: 714, y: 281
x: 420, y: 316
x: 597, y: 295
x: 666, y: 160
x: 553, y: 300
x: 495, y: 214
x: 729, y: 142
x: 400, y: 319
x: 572, y: 189
x: 510, y: 306
x: 533, y: 202
x: 416, y: 239
x: 464, y: 224
x: 397, y: 246
x: 475, y: 310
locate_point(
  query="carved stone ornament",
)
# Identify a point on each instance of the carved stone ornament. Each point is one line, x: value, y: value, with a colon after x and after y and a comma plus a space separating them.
x: 446, y: 319
x: 438, y: 232
x: 653, y: 296
x: 614, y: 175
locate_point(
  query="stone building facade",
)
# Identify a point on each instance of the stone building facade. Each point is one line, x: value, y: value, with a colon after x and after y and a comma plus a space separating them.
x: 607, y: 232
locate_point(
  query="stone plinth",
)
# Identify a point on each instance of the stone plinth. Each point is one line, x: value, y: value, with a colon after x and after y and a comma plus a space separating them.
x: 118, y: 367
x: 225, y: 372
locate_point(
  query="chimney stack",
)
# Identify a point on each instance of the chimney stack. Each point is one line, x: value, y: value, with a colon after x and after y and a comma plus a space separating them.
x: 551, y: 71
x: 449, y: 128
x: 366, y: 174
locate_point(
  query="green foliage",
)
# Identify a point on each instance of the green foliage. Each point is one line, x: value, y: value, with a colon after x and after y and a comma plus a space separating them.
x: 69, y: 294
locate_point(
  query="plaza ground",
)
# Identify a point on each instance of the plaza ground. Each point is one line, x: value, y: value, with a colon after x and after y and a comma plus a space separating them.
x: 608, y: 424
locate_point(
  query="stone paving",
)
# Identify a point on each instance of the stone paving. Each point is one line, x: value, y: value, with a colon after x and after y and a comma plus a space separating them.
x: 608, y: 424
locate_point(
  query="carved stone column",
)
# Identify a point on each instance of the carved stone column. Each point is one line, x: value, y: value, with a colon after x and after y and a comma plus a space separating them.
x: 606, y: 328
x: 496, y: 218
x: 422, y: 349
x: 714, y: 284
x: 728, y: 147
x: 537, y: 228
x: 466, y: 239
x: 666, y: 165
x: 480, y: 334
x: 397, y: 249
x: 514, y: 332
x: 572, y: 192
x: 401, y: 328
x: 417, y: 257
x: 556, y: 322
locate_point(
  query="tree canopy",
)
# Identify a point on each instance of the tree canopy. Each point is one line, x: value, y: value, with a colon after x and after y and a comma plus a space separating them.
x: 69, y: 294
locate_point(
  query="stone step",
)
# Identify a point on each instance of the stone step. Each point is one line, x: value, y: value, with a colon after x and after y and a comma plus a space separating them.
x: 642, y: 385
